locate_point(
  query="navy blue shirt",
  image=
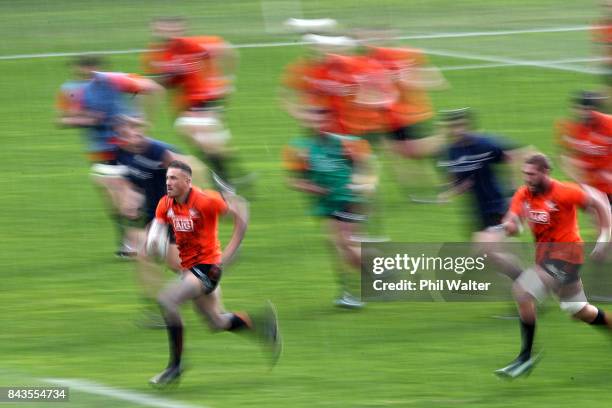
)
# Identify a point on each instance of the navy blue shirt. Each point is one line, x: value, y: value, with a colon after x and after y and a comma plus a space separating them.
x: 147, y: 172
x: 473, y: 158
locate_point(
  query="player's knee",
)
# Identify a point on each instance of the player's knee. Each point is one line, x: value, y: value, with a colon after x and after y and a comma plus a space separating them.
x: 207, y: 131
x: 218, y: 321
x: 573, y: 308
x: 167, y: 302
x: 529, y: 286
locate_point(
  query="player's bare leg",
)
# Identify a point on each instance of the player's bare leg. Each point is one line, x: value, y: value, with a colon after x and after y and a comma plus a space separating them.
x: 109, y: 189
x: 264, y: 326
x: 170, y: 301
x: 206, y: 130
x: 349, y: 255
x: 526, y: 304
x: 209, y: 304
x: 573, y: 300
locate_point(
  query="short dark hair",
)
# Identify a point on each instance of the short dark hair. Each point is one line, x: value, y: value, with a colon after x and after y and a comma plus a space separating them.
x: 177, y: 164
x: 590, y: 100
x: 540, y: 160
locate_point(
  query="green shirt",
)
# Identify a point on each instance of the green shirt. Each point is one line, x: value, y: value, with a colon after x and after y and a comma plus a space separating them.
x: 328, y: 164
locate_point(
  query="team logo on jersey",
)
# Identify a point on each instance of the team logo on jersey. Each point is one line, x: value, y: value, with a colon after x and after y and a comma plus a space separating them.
x: 552, y: 206
x: 539, y: 217
x: 182, y: 224
x: 193, y: 213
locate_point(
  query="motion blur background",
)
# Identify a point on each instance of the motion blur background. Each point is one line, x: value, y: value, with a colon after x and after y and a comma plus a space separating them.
x: 68, y: 307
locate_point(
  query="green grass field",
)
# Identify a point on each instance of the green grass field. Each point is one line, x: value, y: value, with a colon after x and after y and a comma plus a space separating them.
x: 68, y: 307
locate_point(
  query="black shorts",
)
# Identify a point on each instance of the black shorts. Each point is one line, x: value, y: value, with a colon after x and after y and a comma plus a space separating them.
x: 415, y: 131
x: 563, y: 272
x: 207, y: 106
x: 208, y: 274
x: 348, y: 213
x: 491, y: 219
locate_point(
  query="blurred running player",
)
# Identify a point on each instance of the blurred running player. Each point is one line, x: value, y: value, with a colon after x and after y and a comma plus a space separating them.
x: 337, y: 171
x: 193, y: 215
x: 471, y: 160
x: 549, y: 207
x: 474, y: 162
x: 409, y: 119
x: 308, y: 85
x: 353, y: 91
x: 587, y: 143
x: 200, y: 70
x: 144, y: 162
x: 92, y: 103
x: 408, y: 123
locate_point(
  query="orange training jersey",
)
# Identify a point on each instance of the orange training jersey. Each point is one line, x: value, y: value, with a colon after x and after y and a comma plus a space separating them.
x: 190, y: 64
x: 311, y: 79
x: 413, y: 105
x: 552, y: 219
x: 602, y: 32
x: 195, y: 225
x: 591, y: 145
x: 369, y: 91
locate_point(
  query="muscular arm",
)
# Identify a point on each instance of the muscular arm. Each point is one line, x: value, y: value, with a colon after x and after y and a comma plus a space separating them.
x: 598, y: 204
x: 238, y: 208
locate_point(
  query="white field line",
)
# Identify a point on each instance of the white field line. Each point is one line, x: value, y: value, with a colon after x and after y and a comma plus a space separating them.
x: 296, y: 43
x: 502, y: 65
x: 520, y: 62
x: 116, y: 393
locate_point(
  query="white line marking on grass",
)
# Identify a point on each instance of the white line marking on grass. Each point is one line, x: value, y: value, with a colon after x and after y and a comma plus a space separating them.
x: 494, y: 33
x: 116, y: 393
x: 68, y: 54
x: 502, y: 64
x: 296, y: 43
x: 516, y: 61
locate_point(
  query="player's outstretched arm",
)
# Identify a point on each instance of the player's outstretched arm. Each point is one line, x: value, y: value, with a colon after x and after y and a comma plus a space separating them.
x: 428, y: 77
x: 599, y: 204
x: 306, y: 186
x: 239, y: 210
x: 457, y: 187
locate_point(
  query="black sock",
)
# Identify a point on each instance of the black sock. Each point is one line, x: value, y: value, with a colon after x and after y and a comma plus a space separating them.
x: 239, y: 321
x: 600, y: 319
x: 175, y: 340
x: 527, y: 335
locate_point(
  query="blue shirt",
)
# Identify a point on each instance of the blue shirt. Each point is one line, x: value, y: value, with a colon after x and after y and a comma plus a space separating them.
x: 147, y: 172
x: 472, y: 158
x: 102, y: 96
